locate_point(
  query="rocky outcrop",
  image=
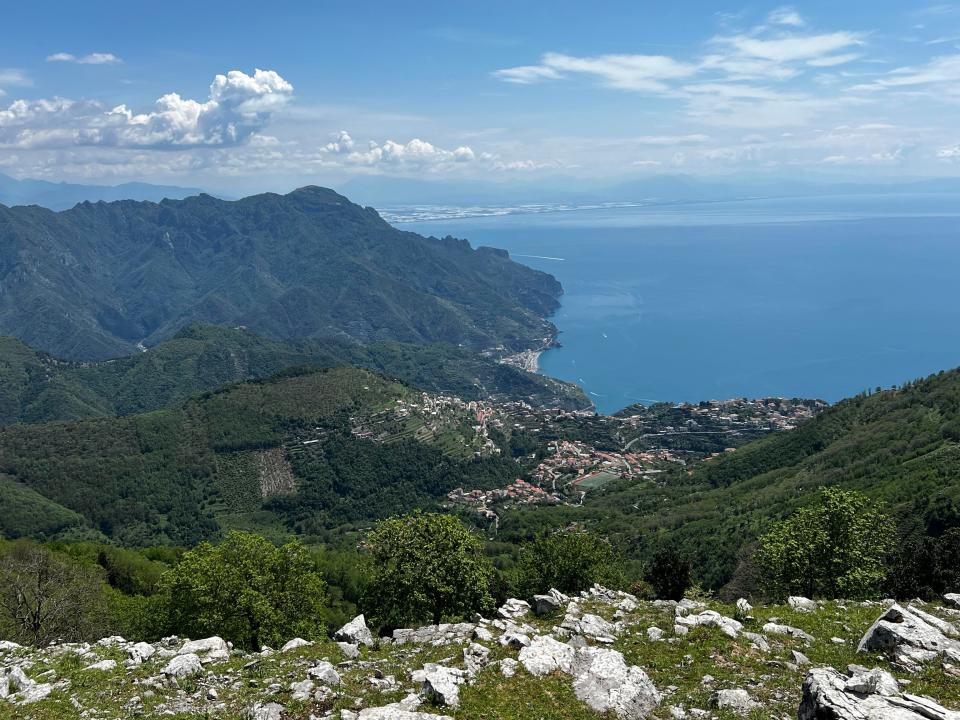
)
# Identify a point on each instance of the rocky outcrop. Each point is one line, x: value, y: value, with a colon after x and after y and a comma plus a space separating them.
x: 355, y: 632
x: 868, y: 695
x: 911, y: 637
x: 211, y: 649
x: 545, y: 655
x: 604, y: 681
x: 183, y: 666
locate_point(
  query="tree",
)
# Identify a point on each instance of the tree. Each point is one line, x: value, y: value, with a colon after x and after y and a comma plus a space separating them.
x: 570, y: 561
x: 46, y: 596
x: 836, y: 547
x: 428, y: 566
x: 668, y: 573
x: 246, y: 590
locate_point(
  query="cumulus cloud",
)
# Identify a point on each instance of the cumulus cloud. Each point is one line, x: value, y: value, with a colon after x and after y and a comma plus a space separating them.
x: 238, y: 106
x: 416, y: 152
x: 97, y: 58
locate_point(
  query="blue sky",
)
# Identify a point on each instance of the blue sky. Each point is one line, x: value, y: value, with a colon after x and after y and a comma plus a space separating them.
x: 499, y: 91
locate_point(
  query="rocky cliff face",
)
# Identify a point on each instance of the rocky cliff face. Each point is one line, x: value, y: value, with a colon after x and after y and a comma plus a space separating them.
x: 603, y: 654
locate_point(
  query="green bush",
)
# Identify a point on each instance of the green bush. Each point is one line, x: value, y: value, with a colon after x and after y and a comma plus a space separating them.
x: 246, y: 590
x: 668, y: 573
x: 834, y: 548
x: 570, y: 561
x: 428, y: 567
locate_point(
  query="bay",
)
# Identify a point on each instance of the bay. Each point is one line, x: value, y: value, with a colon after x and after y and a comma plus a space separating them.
x: 804, y: 297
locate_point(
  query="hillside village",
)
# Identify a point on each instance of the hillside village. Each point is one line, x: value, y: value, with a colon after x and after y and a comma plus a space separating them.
x: 567, y: 453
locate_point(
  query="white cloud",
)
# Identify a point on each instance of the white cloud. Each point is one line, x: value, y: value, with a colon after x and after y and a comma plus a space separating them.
x: 939, y: 70
x: 949, y: 152
x: 527, y: 74
x: 793, y: 47
x: 10, y: 77
x: 237, y: 107
x: 624, y: 72
x: 97, y: 58
x: 786, y: 16
x: 416, y: 152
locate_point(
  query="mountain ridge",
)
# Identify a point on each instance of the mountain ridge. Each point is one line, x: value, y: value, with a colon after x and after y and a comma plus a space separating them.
x: 102, y: 278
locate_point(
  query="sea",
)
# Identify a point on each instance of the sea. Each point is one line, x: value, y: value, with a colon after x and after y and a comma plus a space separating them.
x: 819, y: 297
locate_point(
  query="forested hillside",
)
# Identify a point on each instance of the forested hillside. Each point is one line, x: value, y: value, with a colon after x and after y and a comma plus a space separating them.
x: 280, y: 455
x: 38, y: 387
x: 95, y: 281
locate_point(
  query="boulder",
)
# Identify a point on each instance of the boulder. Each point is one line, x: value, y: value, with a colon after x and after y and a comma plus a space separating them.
x: 349, y: 650
x: 8, y: 646
x: 513, y: 609
x: 827, y: 694
x: 711, y: 618
x: 394, y: 713
x: 545, y: 655
x: 743, y: 607
x: 604, y: 681
x: 442, y: 685
x: 802, y: 604
x: 269, y: 711
x: 737, y: 701
x: 140, y: 652
x: 355, y: 632
x: 772, y: 628
x: 209, y: 649
x: 294, y: 644
x: 951, y: 599
x: 103, y: 666
x: 550, y: 602
x: 907, y: 637
x: 595, y: 626
x: 654, y: 633
x: 183, y: 666
x: 301, y: 690
x: 324, y: 672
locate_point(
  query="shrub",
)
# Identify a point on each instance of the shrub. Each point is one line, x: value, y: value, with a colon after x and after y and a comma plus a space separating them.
x: 247, y: 591
x: 836, y: 547
x: 668, y: 573
x: 428, y: 566
x: 47, y: 596
x: 570, y: 561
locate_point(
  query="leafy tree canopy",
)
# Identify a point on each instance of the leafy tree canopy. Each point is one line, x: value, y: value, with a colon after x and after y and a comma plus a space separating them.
x: 428, y: 567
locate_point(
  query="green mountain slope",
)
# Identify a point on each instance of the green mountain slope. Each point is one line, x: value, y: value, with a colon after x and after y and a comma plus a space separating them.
x: 94, y: 281
x: 900, y: 447
x: 280, y: 453
x: 36, y: 387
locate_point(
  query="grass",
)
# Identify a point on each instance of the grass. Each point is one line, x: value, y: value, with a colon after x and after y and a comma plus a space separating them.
x: 677, y: 667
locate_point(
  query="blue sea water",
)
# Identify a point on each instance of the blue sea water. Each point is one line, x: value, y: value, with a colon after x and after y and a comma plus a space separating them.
x: 815, y: 297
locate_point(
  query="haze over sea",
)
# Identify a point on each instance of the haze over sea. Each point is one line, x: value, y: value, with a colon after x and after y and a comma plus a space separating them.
x: 800, y: 297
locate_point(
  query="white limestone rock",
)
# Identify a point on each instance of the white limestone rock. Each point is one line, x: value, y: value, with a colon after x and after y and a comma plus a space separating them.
x: 604, y: 681
x: 211, y: 649
x: 355, y: 632
x: 183, y: 666
x: 545, y: 655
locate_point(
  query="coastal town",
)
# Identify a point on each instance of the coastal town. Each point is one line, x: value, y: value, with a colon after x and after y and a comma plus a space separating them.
x: 565, y: 454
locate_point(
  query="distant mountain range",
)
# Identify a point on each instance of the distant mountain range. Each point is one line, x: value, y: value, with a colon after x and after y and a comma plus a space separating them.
x: 102, y: 279
x: 385, y: 191
x: 61, y: 195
